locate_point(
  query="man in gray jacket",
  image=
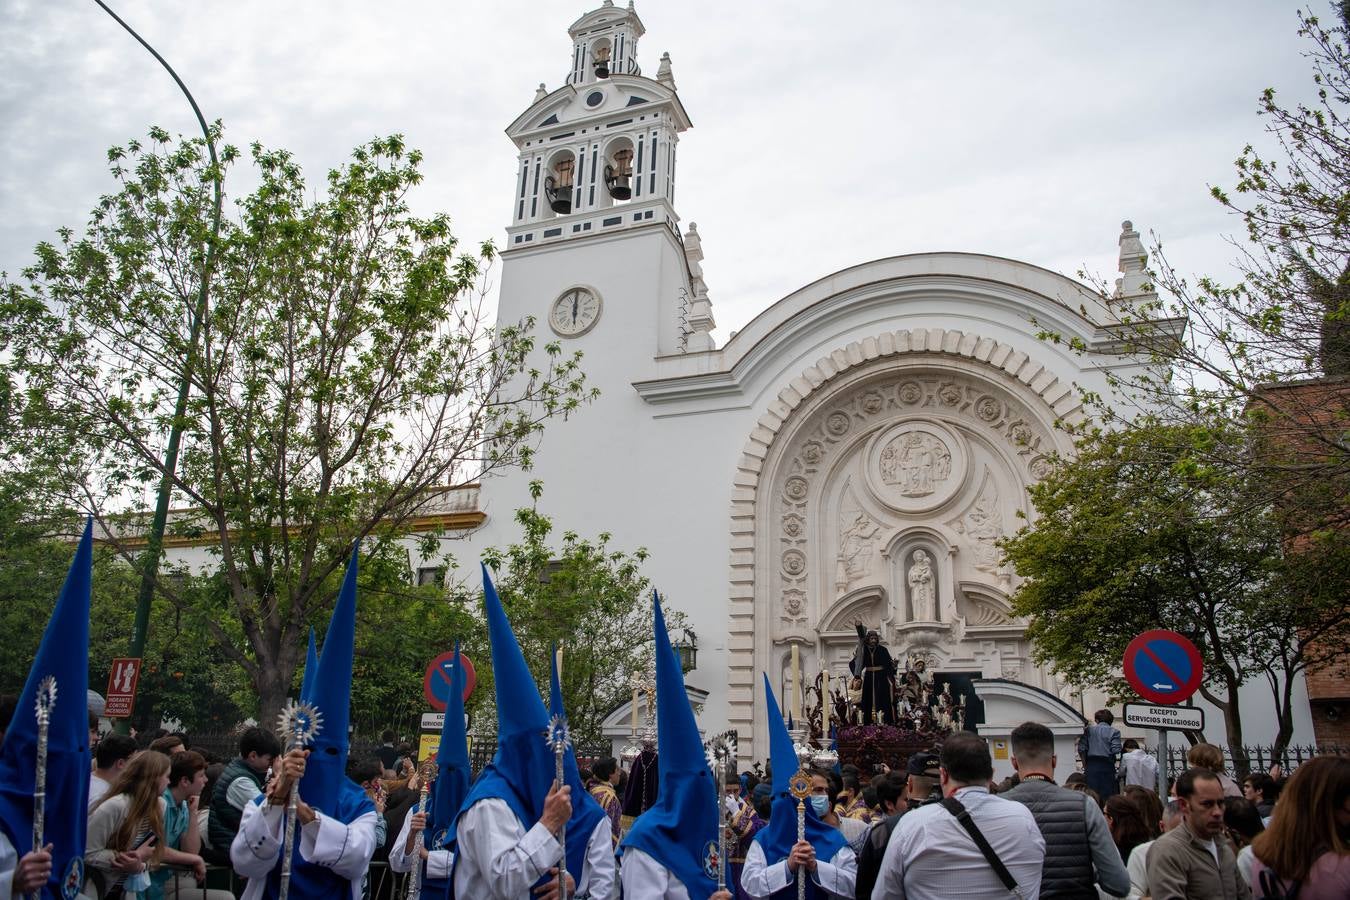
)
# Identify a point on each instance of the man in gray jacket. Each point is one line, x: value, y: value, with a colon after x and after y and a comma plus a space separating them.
x: 1194, y: 861
x: 1078, y: 847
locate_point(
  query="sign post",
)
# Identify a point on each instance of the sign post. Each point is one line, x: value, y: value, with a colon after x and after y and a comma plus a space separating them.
x: 436, y: 689
x: 123, y: 676
x: 1164, y: 668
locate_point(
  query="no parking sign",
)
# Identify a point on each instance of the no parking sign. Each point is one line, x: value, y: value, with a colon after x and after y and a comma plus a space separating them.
x: 1163, y: 666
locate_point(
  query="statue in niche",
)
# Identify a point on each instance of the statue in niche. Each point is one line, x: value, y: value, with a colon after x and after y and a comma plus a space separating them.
x: 855, y: 547
x: 922, y: 592
x: 915, y: 462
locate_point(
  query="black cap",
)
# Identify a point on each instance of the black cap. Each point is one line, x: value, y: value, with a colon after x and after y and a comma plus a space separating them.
x: 924, y: 763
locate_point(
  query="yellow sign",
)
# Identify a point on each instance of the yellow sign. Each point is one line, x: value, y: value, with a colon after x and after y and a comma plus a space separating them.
x: 428, y: 744
x: 1000, y: 749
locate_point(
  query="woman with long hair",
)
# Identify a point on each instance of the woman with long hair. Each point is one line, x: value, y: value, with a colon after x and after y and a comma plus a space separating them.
x: 1150, y: 806
x: 126, y: 829
x: 1306, y: 850
x: 1126, y: 820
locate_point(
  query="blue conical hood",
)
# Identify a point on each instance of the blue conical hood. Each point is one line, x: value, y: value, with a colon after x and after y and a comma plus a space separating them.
x: 331, y: 693
x: 452, y: 778
x: 521, y: 771
x: 780, y: 834
x: 452, y: 759
x: 64, y: 655
x: 519, y: 706
x: 680, y: 831
x: 586, y: 810
x: 311, y: 669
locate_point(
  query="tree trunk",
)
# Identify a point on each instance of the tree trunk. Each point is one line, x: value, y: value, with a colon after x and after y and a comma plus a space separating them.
x: 272, y: 688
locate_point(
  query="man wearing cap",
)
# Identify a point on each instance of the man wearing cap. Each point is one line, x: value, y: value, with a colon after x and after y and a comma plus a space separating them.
x: 919, y: 788
x: 335, y: 837
x: 931, y: 854
x: 506, y: 836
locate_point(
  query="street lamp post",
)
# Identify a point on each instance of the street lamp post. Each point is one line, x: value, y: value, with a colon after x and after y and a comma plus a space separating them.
x: 155, y: 540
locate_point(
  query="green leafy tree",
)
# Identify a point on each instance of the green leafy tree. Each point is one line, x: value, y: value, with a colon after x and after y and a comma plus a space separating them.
x: 589, y: 599
x: 1141, y: 531
x: 1286, y: 318
x: 344, y: 369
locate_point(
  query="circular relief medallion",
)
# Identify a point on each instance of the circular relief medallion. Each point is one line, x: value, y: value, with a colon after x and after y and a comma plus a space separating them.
x: 916, y: 466
x: 988, y: 409
x: 1040, y: 468
x: 794, y: 562
x: 795, y: 488
x: 838, y: 424
x: 910, y: 392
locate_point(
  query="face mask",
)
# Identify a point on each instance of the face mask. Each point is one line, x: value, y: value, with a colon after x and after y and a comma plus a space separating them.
x: 821, y: 804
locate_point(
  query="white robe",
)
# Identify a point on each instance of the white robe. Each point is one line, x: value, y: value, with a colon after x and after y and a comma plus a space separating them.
x: 9, y: 861
x: 646, y: 879
x: 836, y: 876
x: 439, y: 862
x: 499, y: 860
x: 256, y: 849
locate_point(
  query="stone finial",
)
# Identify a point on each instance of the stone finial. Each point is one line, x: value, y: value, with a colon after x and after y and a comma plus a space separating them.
x: 608, y: 4
x: 1133, y: 262
x: 663, y: 73
x: 540, y: 92
x: 700, y: 319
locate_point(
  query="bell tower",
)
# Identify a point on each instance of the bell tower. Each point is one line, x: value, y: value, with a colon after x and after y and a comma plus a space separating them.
x: 594, y: 250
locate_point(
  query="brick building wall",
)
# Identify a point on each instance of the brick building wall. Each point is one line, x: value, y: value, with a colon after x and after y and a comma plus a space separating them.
x: 1299, y: 414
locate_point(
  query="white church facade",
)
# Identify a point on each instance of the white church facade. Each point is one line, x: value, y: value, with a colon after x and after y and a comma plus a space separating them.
x: 851, y: 454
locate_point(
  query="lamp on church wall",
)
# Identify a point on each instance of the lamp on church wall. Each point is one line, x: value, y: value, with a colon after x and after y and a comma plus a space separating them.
x: 601, y: 56
x: 686, y: 648
x: 558, y: 185
x: 619, y: 174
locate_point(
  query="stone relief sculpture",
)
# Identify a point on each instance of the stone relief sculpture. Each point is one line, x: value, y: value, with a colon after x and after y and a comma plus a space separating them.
x: 922, y: 590
x: 856, y: 531
x: 915, y: 462
x: 983, y: 524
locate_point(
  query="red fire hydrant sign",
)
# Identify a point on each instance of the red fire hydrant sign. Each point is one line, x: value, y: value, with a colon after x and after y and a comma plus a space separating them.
x: 122, y: 679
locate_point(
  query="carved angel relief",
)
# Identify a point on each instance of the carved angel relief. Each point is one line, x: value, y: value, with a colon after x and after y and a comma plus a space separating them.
x: 857, y: 535
x: 982, y: 524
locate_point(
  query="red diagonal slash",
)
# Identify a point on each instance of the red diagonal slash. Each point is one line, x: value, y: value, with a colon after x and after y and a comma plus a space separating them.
x: 440, y: 670
x: 1176, y: 682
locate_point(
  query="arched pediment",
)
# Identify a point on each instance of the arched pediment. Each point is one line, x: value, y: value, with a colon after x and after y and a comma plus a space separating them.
x: 867, y: 604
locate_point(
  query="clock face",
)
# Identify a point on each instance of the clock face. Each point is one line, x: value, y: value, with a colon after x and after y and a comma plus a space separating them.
x: 575, y: 312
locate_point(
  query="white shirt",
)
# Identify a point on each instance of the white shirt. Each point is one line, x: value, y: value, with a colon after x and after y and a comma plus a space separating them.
x: 931, y: 857
x: 836, y: 877
x: 97, y: 788
x: 499, y: 860
x: 1139, y: 767
x: 1137, y: 866
x: 256, y: 849
x: 439, y: 862
x: 9, y: 861
x: 646, y: 879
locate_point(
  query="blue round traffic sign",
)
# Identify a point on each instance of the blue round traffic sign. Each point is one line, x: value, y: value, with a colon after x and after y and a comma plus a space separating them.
x: 1163, y: 666
x: 436, y: 682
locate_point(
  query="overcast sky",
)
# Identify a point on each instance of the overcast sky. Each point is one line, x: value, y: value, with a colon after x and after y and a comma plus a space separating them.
x: 824, y: 135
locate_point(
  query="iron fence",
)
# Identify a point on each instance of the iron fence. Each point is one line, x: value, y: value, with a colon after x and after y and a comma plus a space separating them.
x: 1260, y: 757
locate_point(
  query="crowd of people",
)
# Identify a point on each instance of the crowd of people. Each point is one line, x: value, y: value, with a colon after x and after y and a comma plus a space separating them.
x: 147, y: 818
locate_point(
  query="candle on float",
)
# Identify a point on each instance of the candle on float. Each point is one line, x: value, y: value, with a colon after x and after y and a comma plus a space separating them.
x: 632, y: 719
